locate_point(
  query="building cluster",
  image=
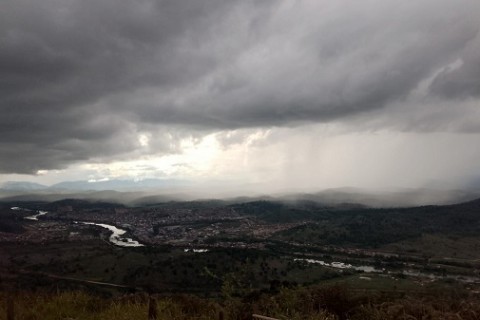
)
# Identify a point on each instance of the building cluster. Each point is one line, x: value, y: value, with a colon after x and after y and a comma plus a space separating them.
x: 208, y: 227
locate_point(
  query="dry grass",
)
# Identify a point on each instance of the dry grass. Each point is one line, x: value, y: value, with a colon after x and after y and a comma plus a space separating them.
x: 300, y: 303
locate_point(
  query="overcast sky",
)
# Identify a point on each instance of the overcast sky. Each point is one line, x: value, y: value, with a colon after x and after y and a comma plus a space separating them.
x: 295, y: 94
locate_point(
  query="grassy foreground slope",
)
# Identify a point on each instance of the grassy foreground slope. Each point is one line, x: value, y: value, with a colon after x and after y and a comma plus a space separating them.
x: 335, y: 302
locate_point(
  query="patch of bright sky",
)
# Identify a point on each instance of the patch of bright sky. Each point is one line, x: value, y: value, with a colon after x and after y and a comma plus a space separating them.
x: 306, y: 158
x: 194, y: 161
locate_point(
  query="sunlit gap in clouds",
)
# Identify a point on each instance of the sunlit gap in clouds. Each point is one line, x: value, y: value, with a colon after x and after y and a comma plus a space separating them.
x: 304, y: 158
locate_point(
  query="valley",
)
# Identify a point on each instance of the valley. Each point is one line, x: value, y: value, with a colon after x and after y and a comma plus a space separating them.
x: 195, y: 246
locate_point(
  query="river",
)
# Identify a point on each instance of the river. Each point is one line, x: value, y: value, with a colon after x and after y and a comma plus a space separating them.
x: 32, y: 217
x: 342, y: 265
x: 116, y: 236
x: 35, y: 216
x: 406, y: 272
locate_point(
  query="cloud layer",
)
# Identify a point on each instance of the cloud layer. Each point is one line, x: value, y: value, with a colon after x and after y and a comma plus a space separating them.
x: 85, y: 80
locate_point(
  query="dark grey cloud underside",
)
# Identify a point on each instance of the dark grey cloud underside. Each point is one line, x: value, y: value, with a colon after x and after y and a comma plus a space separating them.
x: 462, y: 82
x: 79, y: 80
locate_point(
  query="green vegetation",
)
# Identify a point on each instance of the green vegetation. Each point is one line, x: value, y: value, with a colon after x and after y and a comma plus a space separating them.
x: 158, y: 269
x: 378, y: 227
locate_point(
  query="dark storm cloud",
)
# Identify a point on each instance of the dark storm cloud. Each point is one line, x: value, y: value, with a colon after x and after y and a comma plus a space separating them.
x: 463, y: 81
x: 81, y: 79
x: 57, y: 59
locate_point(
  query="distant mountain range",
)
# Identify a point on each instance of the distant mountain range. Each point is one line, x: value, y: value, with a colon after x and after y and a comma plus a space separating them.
x: 151, y: 191
x: 22, y: 186
x: 82, y: 185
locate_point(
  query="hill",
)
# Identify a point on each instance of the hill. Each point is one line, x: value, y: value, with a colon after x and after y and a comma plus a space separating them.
x: 366, y: 226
